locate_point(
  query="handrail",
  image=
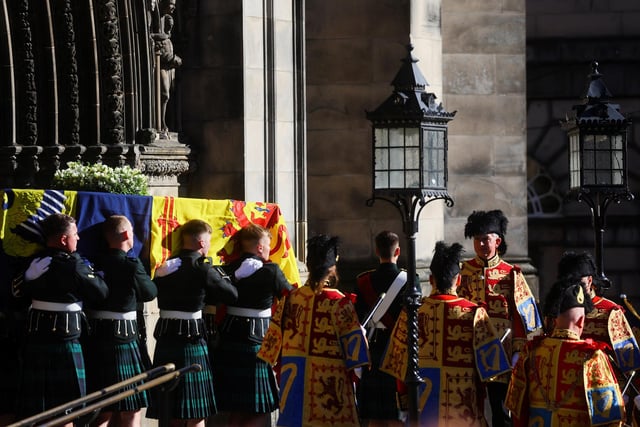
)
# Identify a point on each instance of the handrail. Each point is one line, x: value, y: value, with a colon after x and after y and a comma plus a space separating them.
x: 66, y: 407
x: 150, y: 384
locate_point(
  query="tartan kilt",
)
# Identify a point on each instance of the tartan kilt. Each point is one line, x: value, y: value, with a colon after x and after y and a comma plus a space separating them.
x: 9, y: 384
x: 247, y: 384
x: 109, y: 363
x: 193, y: 396
x: 376, y: 391
x: 53, y: 373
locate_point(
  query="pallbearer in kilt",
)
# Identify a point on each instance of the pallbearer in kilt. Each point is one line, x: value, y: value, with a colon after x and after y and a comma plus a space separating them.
x: 112, y: 348
x: 459, y: 349
x: 247, y: 386
x: 183, y: 281
x: 58, y: 281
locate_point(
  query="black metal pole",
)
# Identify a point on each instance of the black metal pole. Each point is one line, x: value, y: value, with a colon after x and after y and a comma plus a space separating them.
x: 598, y: 217
x: 410, y: 206
x: 412, y: 296
x: 598, y: 204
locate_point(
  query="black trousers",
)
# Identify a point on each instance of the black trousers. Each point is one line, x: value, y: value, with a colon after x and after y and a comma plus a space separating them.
x: 497, y: 393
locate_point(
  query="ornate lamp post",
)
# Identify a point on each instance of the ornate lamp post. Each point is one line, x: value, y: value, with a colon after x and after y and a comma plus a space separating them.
x: 409, y: 171
x: 597, y: 133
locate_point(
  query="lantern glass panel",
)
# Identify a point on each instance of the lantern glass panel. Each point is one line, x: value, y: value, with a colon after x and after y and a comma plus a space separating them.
x: 382, y: 137
x: 616, y: 142
x: 413, y: 159
x: 602, y: 142
x: 574, y: 160
x: 396, y: 137
x: 434, y: 158
x: 589, y: 177
x: 413, y: 179
x: 412, y: 137
x: 382, y: 159
x: 396, y: 179
x: 396, y: 158
x: 382, y: 179
x: 589, y: 142
x: 617, y: 160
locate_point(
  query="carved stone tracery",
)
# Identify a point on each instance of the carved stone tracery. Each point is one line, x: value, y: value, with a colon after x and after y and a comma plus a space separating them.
x: 97, y: 104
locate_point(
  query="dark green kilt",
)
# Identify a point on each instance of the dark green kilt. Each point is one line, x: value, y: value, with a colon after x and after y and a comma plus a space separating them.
x: 193, y: 396
x: 245, y: 383
x: 53, y: 373
x: 109, y: 363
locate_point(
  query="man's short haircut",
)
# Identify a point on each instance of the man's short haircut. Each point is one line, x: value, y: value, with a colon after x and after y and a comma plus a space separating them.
x: 55, y: 225
x: 193, y: 229
x: 386, y: 241
x: 114, y: 226
x: 249, y: 236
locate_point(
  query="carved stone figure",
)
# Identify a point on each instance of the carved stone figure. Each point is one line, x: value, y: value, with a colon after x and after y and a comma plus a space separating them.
x: 169, y: 61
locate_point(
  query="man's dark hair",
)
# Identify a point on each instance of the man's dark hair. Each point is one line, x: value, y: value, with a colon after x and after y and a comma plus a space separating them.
x: 55, y: 225
x: 385, y: 242
x: 445, y: 265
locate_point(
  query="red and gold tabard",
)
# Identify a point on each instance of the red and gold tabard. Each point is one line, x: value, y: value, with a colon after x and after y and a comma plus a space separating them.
x: 502, y: 288
x: 607, y: 323
x: 317, y: 341
x: 564, y: 381
x: 458, y: 348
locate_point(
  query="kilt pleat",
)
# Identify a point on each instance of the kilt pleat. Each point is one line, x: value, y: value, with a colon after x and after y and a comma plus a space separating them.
x: 53, y: 373
x: 247, y: 383
x: 109, y: 363
x: 193, y: 397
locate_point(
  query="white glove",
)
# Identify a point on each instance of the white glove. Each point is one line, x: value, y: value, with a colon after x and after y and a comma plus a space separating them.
x: 247, y: 268
x: 168, y: 267
x: 37, y: 268
x: 403, y: 416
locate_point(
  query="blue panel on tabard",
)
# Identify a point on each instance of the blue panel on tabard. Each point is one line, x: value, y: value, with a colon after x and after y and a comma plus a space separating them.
x: 429, y: 395
x: 292, y: 390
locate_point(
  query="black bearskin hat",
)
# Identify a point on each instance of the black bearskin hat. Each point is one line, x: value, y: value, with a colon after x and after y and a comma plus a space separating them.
x: 445, y: 264
x: 485, y: 222
x: 566, y: 294
x: 322, y: 254
x: 573, y: 265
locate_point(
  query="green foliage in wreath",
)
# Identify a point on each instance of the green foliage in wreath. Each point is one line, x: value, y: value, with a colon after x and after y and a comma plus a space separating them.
x: 101, y: 178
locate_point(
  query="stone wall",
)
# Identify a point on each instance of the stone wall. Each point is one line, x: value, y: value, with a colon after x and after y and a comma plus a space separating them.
x: 484, y: 79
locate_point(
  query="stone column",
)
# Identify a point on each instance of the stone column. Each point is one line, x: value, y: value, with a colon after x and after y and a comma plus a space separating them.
x: 484, y: 62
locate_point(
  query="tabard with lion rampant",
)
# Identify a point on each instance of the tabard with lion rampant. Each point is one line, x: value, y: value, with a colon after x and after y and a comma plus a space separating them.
x: 316, y: 340
x: 458, y: 349
x: 564, y: 381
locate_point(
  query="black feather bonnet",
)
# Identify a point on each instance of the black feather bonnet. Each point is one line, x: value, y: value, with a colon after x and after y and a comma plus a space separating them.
x: 322, y: 254
x: 485, y: 222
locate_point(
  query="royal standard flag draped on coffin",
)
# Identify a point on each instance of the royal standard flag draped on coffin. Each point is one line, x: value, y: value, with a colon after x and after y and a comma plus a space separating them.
x: 22, y: 209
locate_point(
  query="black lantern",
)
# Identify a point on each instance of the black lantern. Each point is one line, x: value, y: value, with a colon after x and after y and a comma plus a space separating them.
x: 597, y: 132
x: 409, y: 171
